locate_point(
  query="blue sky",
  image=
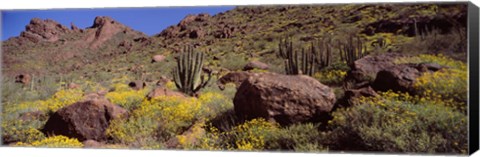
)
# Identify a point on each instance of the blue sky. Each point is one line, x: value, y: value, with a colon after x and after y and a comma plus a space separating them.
x: 147, y: 20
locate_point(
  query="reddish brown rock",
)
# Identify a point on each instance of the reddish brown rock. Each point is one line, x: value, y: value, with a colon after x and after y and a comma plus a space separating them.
x: 43, y: 30
x: 162, y: 91
x: 351, y: 96
x: 92, y: 144
x: 158, y: 58
x: 255, y: 65
x: 85, y: 120
x: 73, y: 85
x: 399, y: 78
x: 23, y: 79
x: 137, y: 85
x: 367, y: 68
x: 286, y: 99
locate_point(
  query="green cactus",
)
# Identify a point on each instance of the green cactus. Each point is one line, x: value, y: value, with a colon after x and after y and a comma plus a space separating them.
x: 298, y: 65
x: 323, y: 53
x: 284, y: 47
x: 352, y: 50
x: 188, y: 74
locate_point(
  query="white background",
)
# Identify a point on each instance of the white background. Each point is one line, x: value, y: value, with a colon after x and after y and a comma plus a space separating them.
x: 48, y: 4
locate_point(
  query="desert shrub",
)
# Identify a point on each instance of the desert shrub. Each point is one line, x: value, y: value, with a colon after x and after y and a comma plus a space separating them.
x: 55, y: 141
x: 233, y: 61
x: 330, y: 77
x: 14, y: 130
x: 439, y: 59
x: 157, y: 120
x: 251, y: 135
x: 60, y: 99
x: 126, y: 97
x: 214, y: 103
x: 449, y: 84
x: 298, y: 137
x: 190, y: 140
x: 395, y: 122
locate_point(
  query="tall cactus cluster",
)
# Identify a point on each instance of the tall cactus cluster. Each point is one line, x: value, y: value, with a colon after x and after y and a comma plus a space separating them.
x: 284, y: 47
x: 188, y: 74
x: 316, y: 56
x: 298, y: 65
x: 352, y: 50
x: 323, y: 53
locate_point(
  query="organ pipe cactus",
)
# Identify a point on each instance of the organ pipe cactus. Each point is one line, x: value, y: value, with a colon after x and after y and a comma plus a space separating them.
x: 188, y: 75
x: 323, y: 53
x: 298, y: 65
x: 285, y: 46
x: 352, y: 50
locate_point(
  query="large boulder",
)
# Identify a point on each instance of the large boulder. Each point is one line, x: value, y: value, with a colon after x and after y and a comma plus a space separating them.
x: 286, y: 99
x: 366, y: 68
x: 401, y: 77
x: 85, y: 120
x: 255, y: 65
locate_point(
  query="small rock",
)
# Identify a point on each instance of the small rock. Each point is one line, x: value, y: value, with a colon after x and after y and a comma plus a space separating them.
x: 158, y: 58
x: 162, y: 91
x: 255, y: 65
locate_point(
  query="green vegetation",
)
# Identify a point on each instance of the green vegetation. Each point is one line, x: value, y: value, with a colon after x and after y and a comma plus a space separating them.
x: 352, y: 50
x: 188, y: 74
x: 296, y: 64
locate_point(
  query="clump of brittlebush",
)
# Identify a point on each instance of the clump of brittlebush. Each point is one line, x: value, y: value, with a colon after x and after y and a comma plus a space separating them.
x: 54, y: 141
x: 251, y: 135
x: 448, y: 84
x: 159, y: 119
x: 125, y: 96
x: 398, y: 122
x: 330, y: 77
x: 59, y: 100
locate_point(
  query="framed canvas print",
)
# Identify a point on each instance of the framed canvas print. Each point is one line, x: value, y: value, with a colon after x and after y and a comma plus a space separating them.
x: 388, y: 78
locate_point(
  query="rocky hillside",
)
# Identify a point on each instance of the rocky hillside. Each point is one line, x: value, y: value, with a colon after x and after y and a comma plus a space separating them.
x: 48, y: 47
x: 244, y: 33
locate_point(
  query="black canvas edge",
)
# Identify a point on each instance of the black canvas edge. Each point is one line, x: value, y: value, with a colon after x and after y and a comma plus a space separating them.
x: 473, y: 57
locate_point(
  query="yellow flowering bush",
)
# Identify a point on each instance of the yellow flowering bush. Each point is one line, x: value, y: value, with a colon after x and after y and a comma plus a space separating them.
x: 397, y: 122
x: 191, y: 139
x: 125, y: 96
x: 60, y: 99
x: 55, y: 141
x: 449, y: 84
x: 330, y: 77
x: 439, y: 59
x: 251, y: 135
x: 214, y: 103
x: 158, y: 119
x: 14, y: 130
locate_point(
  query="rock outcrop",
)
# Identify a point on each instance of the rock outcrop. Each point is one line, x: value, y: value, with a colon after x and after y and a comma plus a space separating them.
x: 43, y: 30
x: 286, y: 99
